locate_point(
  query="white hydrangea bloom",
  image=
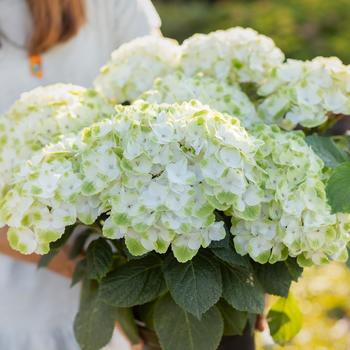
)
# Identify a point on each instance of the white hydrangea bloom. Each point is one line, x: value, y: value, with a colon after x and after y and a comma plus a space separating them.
x: 295, y: 219
x: 219, y: 95
x: 170, y: 185
x: 46, y: 197
x: 134, y: 66
x: 159, y: 171
x: 240, y: 54
x: 306, y: 92
x: 41, y: 116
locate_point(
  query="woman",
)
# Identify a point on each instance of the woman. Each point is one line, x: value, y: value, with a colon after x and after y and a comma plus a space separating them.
x: 44, y: 42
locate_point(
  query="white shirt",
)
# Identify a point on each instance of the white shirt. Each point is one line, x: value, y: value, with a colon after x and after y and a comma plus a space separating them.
x: 37, y: 308
x: 109, y: 24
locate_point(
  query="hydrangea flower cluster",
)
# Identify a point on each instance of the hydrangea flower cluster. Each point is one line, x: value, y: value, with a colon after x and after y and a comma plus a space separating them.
x: 225, y: 98
x: 41, y: 116
x: 135, y: 65
x: 159, y: 169
x: 306, y: 92
x: 165, y: 170
x: 295, y: 218
x: 240, y: 54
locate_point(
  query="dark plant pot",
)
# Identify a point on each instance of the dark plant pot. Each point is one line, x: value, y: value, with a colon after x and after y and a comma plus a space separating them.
x: 243, y: 342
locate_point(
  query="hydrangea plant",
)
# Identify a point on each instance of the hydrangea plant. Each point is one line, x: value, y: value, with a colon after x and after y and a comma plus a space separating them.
x: 193, y: 199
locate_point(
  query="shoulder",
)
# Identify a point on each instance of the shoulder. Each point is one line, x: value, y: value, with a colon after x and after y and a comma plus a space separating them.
x: 114, y: 11
x: 144, y: 6
x: 124, y: 20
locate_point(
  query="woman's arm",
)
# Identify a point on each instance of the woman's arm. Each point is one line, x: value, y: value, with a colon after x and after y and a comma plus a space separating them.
x: 59, y: 264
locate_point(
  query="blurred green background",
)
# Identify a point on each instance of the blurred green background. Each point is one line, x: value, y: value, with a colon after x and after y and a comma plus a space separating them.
x: 303, y: 29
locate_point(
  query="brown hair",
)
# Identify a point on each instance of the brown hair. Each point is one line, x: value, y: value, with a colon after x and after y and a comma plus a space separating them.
x: 54, y: 22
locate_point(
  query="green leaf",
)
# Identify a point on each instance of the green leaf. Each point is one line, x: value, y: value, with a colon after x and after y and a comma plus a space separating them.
x: 99, y: 258
x: 145, y: 313
x: 295, y: 270
x: 338, y: 189
x: 79, y: 272
x: 234, y: 321
x: 224, y: 250
x: 232, y: 258
x: 195, y: 285
x: 55, y: 247
x: 126, y: 319
x: 95, y: 321
x: 348, y: 261
x: 327, y: 150
x: 275, y: 278
x: 242, y: 290
x: 284, y: 319
x: 251, y: 322
x: 134, y: 283
x: 179, y: 330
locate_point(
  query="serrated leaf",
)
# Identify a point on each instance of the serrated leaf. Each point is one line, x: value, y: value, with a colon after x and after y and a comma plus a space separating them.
x: 234, y: 321
x: 232, y: 258
x: 195, y: 285
x: 284, y: 319
x: 79, y: 272
x: 134, y: 283
x: 242, y: 290
x: 95, y: 321
x: 338, y: 189
x: 225, y: 251
x: 293, y: 268
x: 179, y: 330
x: 327, y: 150
x: 99, y: 258
x: 126, y: 319
x: 274, y: 278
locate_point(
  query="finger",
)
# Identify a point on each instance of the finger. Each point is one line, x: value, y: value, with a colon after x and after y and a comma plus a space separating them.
x: 260, y: 323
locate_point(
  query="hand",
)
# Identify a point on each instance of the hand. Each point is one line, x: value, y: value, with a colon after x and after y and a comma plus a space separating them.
x: 260, y: 323
x: 120, y: 341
